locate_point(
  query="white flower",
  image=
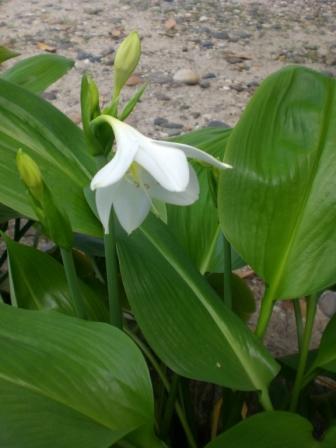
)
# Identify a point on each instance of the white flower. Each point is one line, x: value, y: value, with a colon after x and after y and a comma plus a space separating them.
x: 143, y: 169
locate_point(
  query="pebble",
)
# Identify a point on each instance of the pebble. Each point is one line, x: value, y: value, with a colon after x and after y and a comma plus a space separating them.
x: 220, y: 35
x: 207, y: 44
x: 83, y: 55
x: 51, y: 95
x: 209, y: 76
x: 164, y: 123
x: 186, y: 76
x: 217, y: 124
x: 159, y: 121
x: 204, y: 84
x: 327, y: 303
x: 170, y: 125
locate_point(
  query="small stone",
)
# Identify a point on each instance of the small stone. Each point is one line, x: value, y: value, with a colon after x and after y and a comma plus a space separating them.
x: 238, y: 87
x: 207, y: 44
x: 170, y: 24
x: 115, y: 34
x: 45, y: 47
x: 51, y: 95
x: 204, y: 84
x: 220, y: 35
x: 232, y: 58
x: 209, y: 76
x: 327, y: 303
x: 133, y: 80
x: 217, y: 124
x: 159, y: 121
x: 83, y: 55
x: 162, y: 97
x: 186, y: 76
x: 170, y: 125
x: 203, y: 18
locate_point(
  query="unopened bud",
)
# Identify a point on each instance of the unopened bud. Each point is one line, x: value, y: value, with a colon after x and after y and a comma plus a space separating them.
x: 126, y: 59
x: 30, y: 174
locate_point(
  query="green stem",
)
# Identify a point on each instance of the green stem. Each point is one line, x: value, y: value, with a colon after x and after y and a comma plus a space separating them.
x: 227, y: 274
x: 165, y: 382
x: 112, y: 275
x: 298, y: 321
x: 310, y: 316
x: 266, y: 401
x: 168, y: 414
x: 265, y: 313
x: 72, y: 280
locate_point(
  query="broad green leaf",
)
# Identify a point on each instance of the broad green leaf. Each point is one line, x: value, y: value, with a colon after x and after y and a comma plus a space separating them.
x: 38, y: 282
x: 277, y: 204
x: 38, y: 72
x: 273, y: 429
x: 58, y: 147
x: 68, y: 383
x: 6, y: 53
x: 183, y: 319
x: 197, y: 227
x: 326, y: 354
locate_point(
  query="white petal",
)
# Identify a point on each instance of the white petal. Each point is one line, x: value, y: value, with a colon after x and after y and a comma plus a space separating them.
x: 104, y: 202
x: 197, y: 154
x: 131, y: 205
x: 127, y: 140
x: 186, y: 197
x: 168, y: 165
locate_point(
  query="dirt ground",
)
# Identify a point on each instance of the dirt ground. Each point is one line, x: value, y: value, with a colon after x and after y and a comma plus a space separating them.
x: 230, y: 47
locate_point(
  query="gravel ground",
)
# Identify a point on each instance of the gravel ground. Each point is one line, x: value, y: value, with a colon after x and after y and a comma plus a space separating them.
x: 229, y: 46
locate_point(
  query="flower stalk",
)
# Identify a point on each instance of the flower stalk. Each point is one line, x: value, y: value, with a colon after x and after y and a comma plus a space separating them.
x: 308, y: 330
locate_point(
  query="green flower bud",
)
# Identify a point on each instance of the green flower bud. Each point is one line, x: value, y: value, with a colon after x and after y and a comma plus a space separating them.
x: 126, y: 59
x: 55, y: 223
x: 30, y: 174
x: 89, y: 98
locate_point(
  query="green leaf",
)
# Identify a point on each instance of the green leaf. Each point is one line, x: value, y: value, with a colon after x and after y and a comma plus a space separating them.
x: 277, y: 204
x: 66, y: 383
x: 38, y: 72
x: 57, y: 146
x: 197, y: 227
x: 326, y: 354
x: 38, y: 282
x: 183, y: 319
x: 273, y: 429
x: 128, y: 109
x: 6, y: 53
